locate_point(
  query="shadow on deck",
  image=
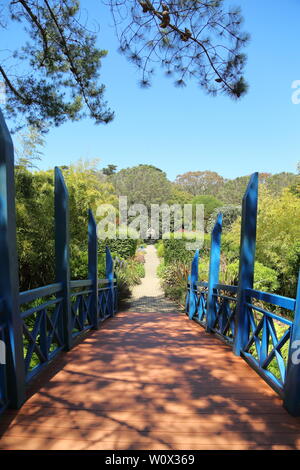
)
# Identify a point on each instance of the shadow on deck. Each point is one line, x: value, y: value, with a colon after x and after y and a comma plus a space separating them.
x: 150, y: 381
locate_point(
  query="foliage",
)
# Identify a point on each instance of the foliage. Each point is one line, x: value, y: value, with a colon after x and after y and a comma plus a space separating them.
x: 86, y: 191
x: 174, y: 280
x: 35, y: 220
x: 265, y: 279
x: 203, y: 269
x: 179, y: 196
x: 124, y: 291
x: 54, y: 76
x: 278, y: 246
x: 210, y: 203
x: 276, y: 183
x: 109, y: 170
x: 132, y: 270
x: 28, y: 151
x: 62, y: 64
x: 230, y: 214
x: 129, y: 273
x: 122, y: 248
x: 196, y: 40
x: 175, y: 250
x: 231, y: 191
x: 35, y: 227
x: 160, y: 249
x: 278, y: 237
x: 142, y: 184
x: 200, y: 182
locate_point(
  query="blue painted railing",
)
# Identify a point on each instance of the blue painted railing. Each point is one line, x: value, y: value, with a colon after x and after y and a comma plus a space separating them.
x: 243, y: 317
x: 37, y: 325
x: 268, y: 337
x: 224, y: 309
x: 42, y: 327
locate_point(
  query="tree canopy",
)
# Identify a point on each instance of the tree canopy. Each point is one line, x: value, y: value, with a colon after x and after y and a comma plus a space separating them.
x: 200, y: 182
x: 143, y: 184
x: 35, y: 222
x: 55, y: 75
x: 190, y: 39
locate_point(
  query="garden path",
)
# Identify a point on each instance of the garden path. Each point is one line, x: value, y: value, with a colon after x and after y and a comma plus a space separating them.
x: 148, y: 296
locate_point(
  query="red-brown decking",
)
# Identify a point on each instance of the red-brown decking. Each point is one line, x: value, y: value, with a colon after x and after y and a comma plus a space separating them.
x: 150, y: 381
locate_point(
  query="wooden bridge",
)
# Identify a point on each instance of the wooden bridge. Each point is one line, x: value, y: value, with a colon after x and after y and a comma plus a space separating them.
x: 147, y: 381
x: 76, y: 375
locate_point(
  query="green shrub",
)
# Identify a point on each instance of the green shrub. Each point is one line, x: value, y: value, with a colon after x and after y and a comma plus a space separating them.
x: 265, y: 279
x: 160, y: 249
x: 174, y: 280
x: 124, y: 291
x: 230, y: 214
x: 129, y: 273
x: 161, y: 270
x: 175, y: 250
x: 123, y: 248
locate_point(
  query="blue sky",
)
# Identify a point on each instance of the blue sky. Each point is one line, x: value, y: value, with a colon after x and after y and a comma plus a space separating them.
x: 183, y: 129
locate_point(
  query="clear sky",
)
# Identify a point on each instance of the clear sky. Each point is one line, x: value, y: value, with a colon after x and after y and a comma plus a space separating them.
x: 183, y: 129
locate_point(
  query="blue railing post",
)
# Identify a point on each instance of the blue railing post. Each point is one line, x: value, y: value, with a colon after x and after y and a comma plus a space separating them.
x: 9, y: 278
x: 247, y: 260
x: 62, y: 252
x: 109, y: 274
x: 214, y: 270
x: 292, y: 383
x: 93, y: 266
x: 193, y: 278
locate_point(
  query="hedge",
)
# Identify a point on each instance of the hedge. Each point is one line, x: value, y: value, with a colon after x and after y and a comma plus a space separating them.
x: 175, y: 250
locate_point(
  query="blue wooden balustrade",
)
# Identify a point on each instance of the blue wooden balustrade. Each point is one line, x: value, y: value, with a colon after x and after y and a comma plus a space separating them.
x: 245, y: 318
x: 37, y: 325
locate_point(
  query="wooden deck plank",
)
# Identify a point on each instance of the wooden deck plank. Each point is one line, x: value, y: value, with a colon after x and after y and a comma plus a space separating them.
x: 150, y: 381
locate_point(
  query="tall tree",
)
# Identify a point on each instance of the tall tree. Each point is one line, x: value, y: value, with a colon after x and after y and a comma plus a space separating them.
x: 35, y: 225
x: 200, y: 182
x: 142, y: 184
x: 233, y: 190
x: 276, y: 183
x: 28, y: 148
x: 109, y: 170
x: 210, y: 203
x: 54, y: 76
x: 193, y: 39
